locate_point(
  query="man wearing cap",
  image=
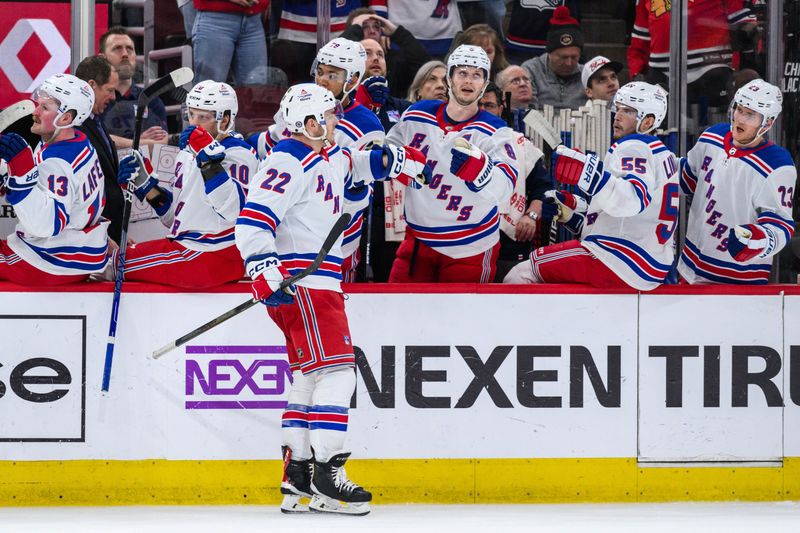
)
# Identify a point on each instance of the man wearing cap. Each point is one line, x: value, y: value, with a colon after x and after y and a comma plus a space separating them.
x: 556, y: 75
x: 599, y: 78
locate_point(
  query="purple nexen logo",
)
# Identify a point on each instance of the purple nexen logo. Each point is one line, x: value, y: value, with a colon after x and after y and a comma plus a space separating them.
x: 225, y: 373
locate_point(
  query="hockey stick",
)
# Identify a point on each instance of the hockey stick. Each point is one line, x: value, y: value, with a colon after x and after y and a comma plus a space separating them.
x: 15, y: 112
x: 536, y: 121
x: 174, y: 79
x: 330, y: 240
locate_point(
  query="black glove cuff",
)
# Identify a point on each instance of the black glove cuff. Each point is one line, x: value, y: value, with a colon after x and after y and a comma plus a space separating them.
x: 211, y: 169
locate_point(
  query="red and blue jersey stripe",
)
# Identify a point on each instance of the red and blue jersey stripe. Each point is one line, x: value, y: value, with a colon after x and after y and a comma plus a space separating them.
x: 720, y: 271
x: 258, y: 216
x: 463, y: 234
x: 635, y: 257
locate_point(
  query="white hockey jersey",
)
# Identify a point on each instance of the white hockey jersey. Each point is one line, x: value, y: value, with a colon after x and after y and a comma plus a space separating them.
x: 357, y: 129
x: 202, y: 214
x: 60, y: 229
x: 631, y: 221
x: 730, y: 187
x: 446, y: 215
x: 295, y: 198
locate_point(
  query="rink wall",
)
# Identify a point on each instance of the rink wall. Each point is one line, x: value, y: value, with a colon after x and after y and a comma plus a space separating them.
x: 465, y: 393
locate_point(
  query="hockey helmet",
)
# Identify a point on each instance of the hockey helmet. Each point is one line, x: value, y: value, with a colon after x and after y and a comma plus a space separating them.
x: 468, y: 55
x: 646, y: 99
x: 308, y: 100
x: 761, y: 97
x: 344, y: 54
x: 71, y: 93
x: 215, y: 96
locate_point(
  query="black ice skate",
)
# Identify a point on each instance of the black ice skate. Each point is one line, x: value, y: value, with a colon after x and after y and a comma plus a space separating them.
x: 296, y: 484
x: 334, y: 492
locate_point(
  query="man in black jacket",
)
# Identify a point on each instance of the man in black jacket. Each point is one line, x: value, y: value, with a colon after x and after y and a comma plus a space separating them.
x: 102, y: 77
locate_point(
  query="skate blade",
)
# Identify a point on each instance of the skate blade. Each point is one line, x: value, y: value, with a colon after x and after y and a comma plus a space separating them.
x: 294, y: 504
x: 323, y: 504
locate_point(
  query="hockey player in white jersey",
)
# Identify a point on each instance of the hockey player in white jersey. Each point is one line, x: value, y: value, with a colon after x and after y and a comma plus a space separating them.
x: 740, y: 187
x: 453, y: 223
x: 339, y: 67
x: 296, y: 197
x: 57, y: 192
x: 628, y: 231
x: 212, y: 173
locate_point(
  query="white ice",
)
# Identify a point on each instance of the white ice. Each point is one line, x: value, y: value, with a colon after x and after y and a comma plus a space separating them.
x: 770, y: 517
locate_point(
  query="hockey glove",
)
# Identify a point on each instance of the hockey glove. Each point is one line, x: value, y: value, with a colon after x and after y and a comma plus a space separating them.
x: 407, y: 165
x: 267, y: 278
x: 378, y: 91
x: 573, y: 167
x: 749, y: 241
x: 22, y: 171
x: 562, y: 205
x: 136, y: 173
x: 471, y: 165
x: 202, y: 145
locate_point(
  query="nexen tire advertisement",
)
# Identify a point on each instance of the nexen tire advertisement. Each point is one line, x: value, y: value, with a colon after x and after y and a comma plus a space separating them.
x: 658, y: 377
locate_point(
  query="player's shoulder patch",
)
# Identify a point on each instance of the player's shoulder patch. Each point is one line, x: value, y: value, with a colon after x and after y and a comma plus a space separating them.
x: 235, y: 141
x: 363, y: 118
x: 719, y: 129
x: 637, y: 142
x: 492, y: 120
x: 75, y: 152
x: 293, y: 148
x: 774, y: 156
x: 427, y: 106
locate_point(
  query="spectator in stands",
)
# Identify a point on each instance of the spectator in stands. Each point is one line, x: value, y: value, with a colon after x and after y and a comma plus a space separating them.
x: 491, y: 12
x: 710, y: 54
x: 189, y: 13
x: 528, y: 26
x: 556, y: 75
x: 119, y: 117
x: 599, y: 78
x: 296, y: 47
x: 516, y: 80
x: 434, y: 24
x: 403, y: 53
x: 430, y: 83
x: 102, y: 77
x: 484, y: 36
x: 374, y: 90
x: 519, y: 223
x: 229, y: 36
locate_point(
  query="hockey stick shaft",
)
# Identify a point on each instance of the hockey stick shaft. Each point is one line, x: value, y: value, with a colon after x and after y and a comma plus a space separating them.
x: 330, y: 240
x: 15, y: 112
x: 176, y: 78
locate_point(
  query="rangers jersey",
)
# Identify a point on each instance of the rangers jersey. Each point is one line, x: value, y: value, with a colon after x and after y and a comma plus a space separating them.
x: 729, y: 187
x: 201, y: 214
x: 60, y: 229
x: 446, y: 215
x: 709, y: 41
x: 296, y: 197
x: 631, y: 221
x: 358, y: 129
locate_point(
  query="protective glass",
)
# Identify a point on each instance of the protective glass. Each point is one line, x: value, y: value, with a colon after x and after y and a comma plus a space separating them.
x: 199, y: 116
x: 739, y: 113
x: 625, y: 111
x: 336, y: 113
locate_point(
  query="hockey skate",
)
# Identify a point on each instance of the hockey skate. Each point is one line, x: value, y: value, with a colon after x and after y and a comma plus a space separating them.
x: 296, y: 484
x: 334, y: 492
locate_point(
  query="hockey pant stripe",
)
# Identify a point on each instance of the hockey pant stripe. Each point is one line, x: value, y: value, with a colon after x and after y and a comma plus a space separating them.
x: 538, y: 257
x: 310, y: 323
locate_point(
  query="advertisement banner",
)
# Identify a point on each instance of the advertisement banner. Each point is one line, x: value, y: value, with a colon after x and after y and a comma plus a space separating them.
x: 710, y: 378
x: 35, y: 44
x: 42, y: 385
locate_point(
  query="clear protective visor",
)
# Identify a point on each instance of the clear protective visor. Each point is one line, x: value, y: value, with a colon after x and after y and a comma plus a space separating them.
x: 335, y: 113
x: 625, y: 111
x: 199, y: 115
x: 745, y: 115
x: 46, y: 100
x: 319, y: 73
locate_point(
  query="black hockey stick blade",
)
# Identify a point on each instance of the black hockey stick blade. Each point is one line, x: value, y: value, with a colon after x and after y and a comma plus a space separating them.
x: 15, y: 112
x: 176, y: 78
x: 330, y: 240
